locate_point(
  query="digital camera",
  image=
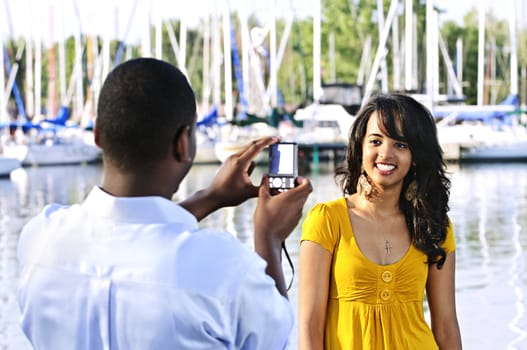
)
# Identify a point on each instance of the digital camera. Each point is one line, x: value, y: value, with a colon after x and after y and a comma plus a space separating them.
x: 283, y: 165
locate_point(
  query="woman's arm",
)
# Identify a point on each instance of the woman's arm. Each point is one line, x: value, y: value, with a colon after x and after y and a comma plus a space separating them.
x: 440, y: 289
x: 313, y: 290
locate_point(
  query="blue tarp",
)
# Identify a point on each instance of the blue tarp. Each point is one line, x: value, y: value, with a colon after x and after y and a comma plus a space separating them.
x: 486, y: 115
x: 210, y: 119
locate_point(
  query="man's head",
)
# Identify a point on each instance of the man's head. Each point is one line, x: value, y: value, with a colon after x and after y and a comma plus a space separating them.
x: 144, y: 106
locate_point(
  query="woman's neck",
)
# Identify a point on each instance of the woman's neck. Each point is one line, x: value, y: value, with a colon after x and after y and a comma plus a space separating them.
x: 380, y: 206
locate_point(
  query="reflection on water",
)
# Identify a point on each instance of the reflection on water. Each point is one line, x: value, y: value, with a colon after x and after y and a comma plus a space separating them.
x: 488, y: 207
x: 22, y: 196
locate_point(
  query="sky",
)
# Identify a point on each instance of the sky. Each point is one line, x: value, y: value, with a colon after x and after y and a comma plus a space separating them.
x: 33, y: 17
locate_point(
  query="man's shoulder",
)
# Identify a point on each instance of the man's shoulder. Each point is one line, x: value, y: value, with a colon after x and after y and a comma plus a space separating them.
x: 217, y: 243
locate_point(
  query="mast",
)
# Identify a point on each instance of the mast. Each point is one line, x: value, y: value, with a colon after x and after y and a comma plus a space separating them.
x: 459, y: 61
x: 3, y: 106
x: 145, y: 37
x: 206, y: 66
x: 158, y: 34
x: 317, y: 81
x: 272, y: 63
x: 216, y: 55
x: 79, y: 93
x: 227, y: 61
x: 183, y: 43
x: 106, y: 39
x: 38, y: 66
x: 396, y: 55
x: 514, y: 53
x: 381, y: 24
x: 432, y: 91
x: 246, y: 46
x: 62, y: 57
x: 51, y: 108
x: 408, y: 40
x: 380, y: 52
x: 481, y: 51
x: 30, y: 97
x: 366, y: 50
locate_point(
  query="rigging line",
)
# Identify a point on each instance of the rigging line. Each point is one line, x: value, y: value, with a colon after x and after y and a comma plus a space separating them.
x: 122, y: 45
x: 13, y: 70
x: 16, y: 91
x: 237, y: 67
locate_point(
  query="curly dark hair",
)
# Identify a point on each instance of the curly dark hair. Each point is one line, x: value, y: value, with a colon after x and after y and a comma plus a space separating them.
x: 426, y: 215
x: 143, y: 105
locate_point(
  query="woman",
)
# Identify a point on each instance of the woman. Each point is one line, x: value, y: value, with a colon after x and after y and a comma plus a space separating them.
x: 367, y: 258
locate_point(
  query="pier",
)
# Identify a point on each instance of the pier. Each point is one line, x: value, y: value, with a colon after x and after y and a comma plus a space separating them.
x: 311, y: 154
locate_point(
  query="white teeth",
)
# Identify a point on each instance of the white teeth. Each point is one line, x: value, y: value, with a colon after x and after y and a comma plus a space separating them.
x: 385, y: 167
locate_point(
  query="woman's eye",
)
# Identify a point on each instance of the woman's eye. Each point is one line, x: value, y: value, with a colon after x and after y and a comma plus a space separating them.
x: 401, y: 145
x: 375, y: 142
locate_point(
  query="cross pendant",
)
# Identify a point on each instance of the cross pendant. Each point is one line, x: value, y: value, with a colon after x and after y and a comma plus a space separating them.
x: 388, y: 247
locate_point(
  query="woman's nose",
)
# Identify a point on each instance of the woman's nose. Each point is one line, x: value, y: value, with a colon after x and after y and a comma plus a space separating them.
x: 384, y: 151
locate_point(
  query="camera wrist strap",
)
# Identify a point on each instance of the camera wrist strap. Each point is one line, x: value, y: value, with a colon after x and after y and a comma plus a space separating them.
x: 290, y: 264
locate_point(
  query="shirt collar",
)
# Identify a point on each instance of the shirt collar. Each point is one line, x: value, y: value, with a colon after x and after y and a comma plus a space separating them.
x: 144, y: 210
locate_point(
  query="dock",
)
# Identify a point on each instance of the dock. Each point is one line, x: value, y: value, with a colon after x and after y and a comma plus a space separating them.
x: 311, y: 154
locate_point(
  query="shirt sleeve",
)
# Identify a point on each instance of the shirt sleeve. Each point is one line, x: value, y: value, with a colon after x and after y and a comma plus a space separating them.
x: 320, y: 226
x: 265, y: 317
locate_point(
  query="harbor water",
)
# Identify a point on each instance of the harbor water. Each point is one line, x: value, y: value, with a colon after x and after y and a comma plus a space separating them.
x: 488, y: 207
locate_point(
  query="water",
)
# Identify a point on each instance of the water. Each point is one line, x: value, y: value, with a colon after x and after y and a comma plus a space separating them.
x: 488, y: 208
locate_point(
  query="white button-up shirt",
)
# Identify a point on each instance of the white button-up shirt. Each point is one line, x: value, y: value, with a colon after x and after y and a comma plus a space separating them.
x: 138, y: 273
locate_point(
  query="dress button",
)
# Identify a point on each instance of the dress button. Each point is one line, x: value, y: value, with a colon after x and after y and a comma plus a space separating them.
x: 386, y: 294
x: 387, y: 276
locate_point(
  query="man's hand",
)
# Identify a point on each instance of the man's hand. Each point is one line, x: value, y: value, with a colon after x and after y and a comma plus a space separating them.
x: 232, y: 184
x: 275, y: 217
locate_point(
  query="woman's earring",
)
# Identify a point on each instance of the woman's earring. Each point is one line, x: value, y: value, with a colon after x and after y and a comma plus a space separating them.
x: 363, y: 186
x: 411, y: 191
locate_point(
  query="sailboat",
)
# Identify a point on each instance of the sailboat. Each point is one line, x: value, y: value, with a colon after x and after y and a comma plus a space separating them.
x: 54, y: 139
x: 236, y: 131
x: 330, y: 118
x: 52, y: 142
x: 483, y: 133
x: 7, y: 165
x: 486, y: 132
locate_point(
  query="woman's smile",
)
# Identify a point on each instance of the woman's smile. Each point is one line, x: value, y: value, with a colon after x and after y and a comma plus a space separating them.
x: 385, y: 168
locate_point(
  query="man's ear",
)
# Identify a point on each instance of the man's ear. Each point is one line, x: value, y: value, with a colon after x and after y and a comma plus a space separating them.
x: 181, y: 145
x: 96, y: 136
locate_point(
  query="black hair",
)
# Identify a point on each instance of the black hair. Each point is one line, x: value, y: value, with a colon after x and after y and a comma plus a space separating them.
x: 143, y: 105
x: 426, y: 215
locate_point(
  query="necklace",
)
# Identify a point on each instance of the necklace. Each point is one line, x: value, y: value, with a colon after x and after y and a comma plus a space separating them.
x: 387, y: 244
x: 387, y: 247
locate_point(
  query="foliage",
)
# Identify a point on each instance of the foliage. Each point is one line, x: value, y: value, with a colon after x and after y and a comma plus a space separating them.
x: 350, y: 23
x: 497, y: 58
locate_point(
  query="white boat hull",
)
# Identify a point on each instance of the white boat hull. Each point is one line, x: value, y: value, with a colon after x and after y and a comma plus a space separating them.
x: 54, y: 153
x: 323, y: 123
x: 505, y: 151
x: 225, y: 149
x: 205, y: 150
x: 7, y: 165
x: 233, y: 138
x: 482, y: 142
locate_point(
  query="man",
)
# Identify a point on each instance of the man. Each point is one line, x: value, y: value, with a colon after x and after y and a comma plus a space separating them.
x: 130, y: 269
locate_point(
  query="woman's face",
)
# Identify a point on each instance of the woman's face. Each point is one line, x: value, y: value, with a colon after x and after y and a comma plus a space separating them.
x: 386, y: 160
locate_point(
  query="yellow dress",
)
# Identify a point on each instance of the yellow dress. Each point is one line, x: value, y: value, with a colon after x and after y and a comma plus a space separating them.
x: 370, y: 306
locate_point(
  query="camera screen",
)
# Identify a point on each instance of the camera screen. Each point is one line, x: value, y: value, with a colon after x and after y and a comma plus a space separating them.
x: 283, y: 159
